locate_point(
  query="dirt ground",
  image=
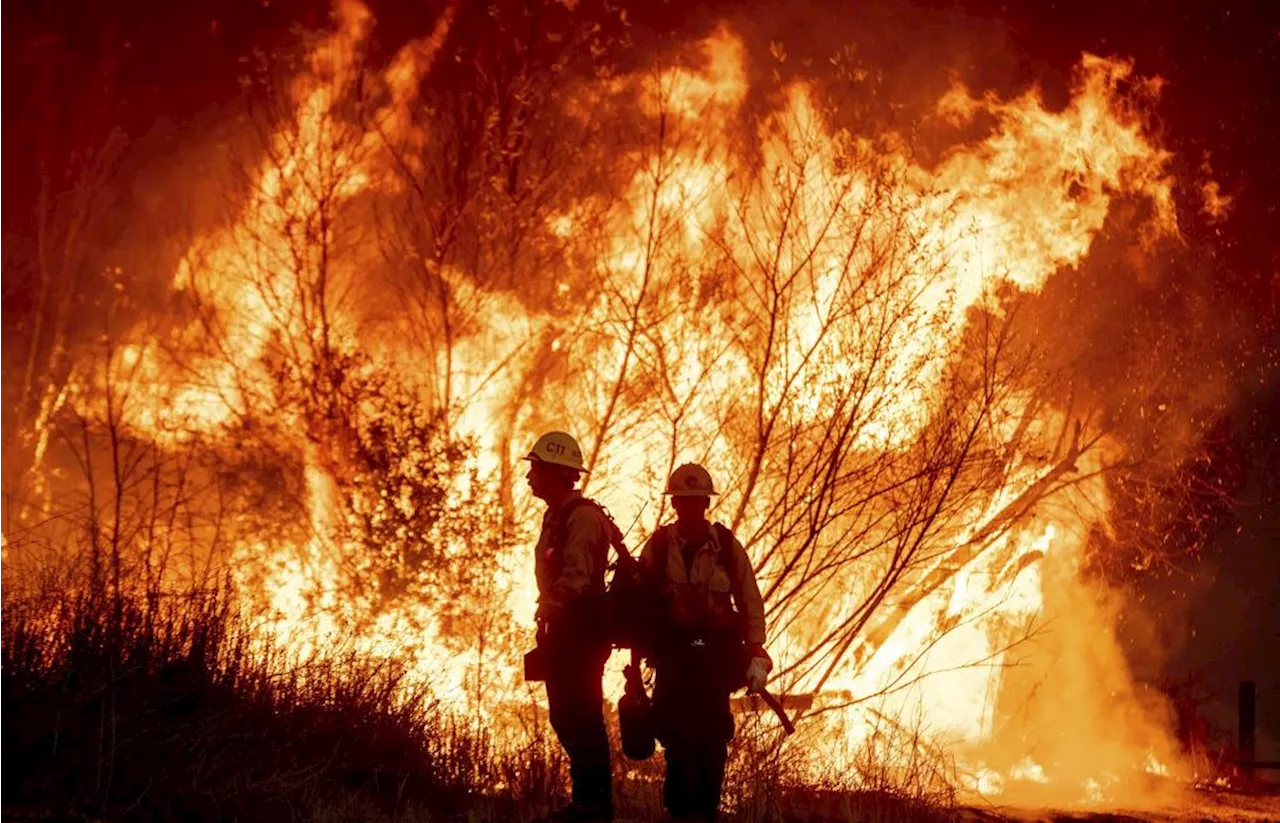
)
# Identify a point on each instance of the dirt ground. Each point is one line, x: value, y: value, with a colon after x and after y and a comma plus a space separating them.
x: 1210, y: 807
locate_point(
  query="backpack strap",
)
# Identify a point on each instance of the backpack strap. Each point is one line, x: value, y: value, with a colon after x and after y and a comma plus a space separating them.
x: 562, y: 520
x: 727, y: 556
x: 555, y: 549
x: 661, y: 548
x: 615, y: 534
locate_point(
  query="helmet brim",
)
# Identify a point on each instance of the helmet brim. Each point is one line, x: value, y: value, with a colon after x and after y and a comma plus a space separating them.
x: 533, y: 458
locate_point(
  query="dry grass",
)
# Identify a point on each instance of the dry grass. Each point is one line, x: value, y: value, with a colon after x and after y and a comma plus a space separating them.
x: 146, y: 708
x: 771, y: 783
x: 143, y: 707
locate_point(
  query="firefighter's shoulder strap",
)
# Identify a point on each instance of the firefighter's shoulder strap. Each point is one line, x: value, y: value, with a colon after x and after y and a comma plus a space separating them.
x: 561, y: 523
x: 725, y: 555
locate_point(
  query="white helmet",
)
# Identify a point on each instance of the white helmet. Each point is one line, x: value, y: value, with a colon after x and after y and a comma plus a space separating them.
x: 690, y: 480
x: 559, y: 449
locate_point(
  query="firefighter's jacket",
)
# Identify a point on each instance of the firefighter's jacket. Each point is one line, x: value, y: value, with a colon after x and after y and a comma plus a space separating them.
x: 570, y: 566
x: 714, y: 591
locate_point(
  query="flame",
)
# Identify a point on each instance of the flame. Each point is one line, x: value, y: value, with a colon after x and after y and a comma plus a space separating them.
x: 1216, y: 205
x: 688, y: 329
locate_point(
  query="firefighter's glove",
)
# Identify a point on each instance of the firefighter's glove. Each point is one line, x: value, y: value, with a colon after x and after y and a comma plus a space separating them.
x: 549, y: 611
x: 758, y: 673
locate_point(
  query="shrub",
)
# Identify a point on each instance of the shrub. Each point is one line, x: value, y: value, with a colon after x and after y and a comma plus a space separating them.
x: 126, y: 707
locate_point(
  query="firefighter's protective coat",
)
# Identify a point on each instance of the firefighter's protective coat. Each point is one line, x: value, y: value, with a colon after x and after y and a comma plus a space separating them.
x: 570, y: 566
x: 705, y: 594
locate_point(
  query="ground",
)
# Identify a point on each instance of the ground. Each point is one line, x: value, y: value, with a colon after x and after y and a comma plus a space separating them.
x: 1211, y: 807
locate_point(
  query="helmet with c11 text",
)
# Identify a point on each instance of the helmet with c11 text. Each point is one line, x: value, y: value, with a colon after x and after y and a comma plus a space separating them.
x: 558, y: 449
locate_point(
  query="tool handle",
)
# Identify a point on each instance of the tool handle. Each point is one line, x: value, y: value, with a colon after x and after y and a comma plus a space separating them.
x: 773, y: 703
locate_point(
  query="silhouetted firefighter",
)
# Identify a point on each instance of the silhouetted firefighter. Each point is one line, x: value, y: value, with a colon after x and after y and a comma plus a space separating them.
x: 573, y: 637
x: 708, y: 641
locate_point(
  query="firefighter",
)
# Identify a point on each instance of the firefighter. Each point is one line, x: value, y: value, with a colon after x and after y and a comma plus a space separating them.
x: 708, y: 642
x: 572, y: 552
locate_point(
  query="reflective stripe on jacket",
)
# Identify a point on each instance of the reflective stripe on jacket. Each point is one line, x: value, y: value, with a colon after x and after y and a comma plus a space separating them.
x: 583, y: 553
x: 707, y: 593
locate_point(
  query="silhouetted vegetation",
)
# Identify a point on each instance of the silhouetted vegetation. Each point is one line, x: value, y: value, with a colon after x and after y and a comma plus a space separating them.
x: 121, y: 706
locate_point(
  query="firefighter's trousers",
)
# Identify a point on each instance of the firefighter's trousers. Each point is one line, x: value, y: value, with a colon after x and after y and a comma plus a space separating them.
x: 694, y: 725
x: 576, y: 700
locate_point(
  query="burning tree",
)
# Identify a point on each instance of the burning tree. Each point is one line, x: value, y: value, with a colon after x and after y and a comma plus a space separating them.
x: 829, y: 324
